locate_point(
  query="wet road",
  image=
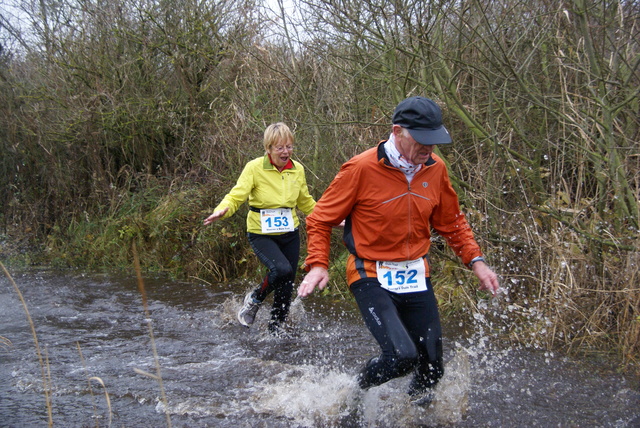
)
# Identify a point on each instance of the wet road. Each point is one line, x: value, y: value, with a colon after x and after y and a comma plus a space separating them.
x: 93, y: 331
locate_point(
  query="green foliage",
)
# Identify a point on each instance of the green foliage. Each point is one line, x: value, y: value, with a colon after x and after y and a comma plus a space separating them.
x: 128, y: 121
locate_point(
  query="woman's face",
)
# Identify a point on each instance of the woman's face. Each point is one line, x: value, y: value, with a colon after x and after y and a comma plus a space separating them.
x: 280, y: 153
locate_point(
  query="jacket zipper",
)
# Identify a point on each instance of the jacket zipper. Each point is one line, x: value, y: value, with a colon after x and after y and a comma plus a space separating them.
x: 407, y: 242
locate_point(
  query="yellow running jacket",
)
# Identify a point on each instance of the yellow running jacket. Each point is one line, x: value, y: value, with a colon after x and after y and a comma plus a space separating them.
x: 265, y: 187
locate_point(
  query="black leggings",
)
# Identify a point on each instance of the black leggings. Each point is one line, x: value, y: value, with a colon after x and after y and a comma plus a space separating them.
x: 280, y: 254
x: 407, y: 328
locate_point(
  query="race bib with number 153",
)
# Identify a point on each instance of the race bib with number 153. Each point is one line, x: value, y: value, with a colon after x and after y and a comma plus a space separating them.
x: 276, y: 220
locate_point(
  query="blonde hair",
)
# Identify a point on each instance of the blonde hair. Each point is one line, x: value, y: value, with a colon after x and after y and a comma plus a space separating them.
x: 275, y: 133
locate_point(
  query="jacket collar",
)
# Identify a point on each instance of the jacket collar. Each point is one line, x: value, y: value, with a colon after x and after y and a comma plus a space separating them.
x: 382, y: 155
x: 268, y: 164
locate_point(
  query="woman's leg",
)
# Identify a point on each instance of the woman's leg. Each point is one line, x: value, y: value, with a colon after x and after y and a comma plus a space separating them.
x: 280, y: 254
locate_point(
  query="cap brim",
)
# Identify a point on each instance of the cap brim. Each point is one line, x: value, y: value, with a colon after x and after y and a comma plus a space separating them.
x: 429, y: 137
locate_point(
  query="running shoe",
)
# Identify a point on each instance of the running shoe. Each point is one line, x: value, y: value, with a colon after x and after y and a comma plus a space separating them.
x: 364, y: 379
x: 421, y: 391
x: 247, y: 313
x: 425, y: 399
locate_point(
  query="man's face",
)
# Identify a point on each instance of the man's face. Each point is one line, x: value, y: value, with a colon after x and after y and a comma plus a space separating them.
x: 412, y: 151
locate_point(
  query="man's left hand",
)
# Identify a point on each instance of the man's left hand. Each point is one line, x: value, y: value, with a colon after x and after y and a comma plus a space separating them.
x: 488, y: 278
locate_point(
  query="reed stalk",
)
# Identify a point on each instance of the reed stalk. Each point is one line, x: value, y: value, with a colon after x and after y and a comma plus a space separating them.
x: 93, y: 398
x: 106, y: 396
x: 156, y: 359
x: 5, y: 342
x: 46, y: 378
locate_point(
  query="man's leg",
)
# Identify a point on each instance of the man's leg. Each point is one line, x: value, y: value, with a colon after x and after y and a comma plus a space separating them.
x: 399, y: 353
x: 419, y: 314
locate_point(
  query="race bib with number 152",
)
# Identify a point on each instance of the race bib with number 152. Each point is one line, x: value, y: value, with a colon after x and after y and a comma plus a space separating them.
x: 402, y: 277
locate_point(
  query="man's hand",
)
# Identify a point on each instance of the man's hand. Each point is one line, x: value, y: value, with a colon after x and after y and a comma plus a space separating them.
x: 317, y: 276
x: 488, y: 279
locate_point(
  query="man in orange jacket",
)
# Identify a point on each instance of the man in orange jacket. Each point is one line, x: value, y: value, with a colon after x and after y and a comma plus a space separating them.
x: 391, y: 196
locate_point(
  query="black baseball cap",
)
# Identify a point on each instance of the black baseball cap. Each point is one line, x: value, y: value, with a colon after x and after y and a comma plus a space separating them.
x: 422, y: 117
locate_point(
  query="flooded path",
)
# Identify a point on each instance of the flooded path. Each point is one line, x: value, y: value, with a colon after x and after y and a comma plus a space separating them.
x: 215, y: 373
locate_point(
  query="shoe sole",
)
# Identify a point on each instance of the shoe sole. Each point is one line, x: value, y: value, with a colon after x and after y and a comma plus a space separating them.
x: 242, y: 322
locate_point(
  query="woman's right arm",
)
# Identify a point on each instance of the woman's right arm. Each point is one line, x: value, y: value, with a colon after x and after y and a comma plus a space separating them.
x: 236, y: 196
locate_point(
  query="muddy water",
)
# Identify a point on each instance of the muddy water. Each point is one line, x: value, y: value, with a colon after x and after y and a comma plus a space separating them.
x: 215, y: 373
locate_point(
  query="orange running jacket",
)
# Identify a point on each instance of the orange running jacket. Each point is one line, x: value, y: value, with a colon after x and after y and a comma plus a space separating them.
x: 388, y: 219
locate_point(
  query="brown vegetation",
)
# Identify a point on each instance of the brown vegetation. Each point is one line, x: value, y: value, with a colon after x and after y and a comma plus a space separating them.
x: 127, y: 121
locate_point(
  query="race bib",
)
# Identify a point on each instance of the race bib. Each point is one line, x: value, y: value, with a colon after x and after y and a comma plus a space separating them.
x: 276, y: 220
x: 402, y: 277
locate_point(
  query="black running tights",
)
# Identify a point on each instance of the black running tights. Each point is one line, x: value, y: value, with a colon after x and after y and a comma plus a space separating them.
x: 280, y: 254
x: 407, y: 328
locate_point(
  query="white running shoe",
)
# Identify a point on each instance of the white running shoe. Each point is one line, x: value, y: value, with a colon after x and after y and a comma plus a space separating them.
x: 247, y: 313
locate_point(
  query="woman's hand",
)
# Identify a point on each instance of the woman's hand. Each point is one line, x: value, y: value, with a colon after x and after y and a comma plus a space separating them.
x: 217, y: 215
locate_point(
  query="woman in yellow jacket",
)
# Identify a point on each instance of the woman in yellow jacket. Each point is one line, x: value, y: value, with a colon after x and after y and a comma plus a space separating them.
x: 275, y: 185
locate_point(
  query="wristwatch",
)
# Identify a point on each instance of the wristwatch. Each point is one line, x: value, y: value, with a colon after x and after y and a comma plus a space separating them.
x: 475, y: 259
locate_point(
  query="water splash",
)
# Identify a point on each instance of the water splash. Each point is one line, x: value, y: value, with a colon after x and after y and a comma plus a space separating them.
x: 307, y: 395
x: 452, y: 393
x: 226, y: 313
x: 311, y: 396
